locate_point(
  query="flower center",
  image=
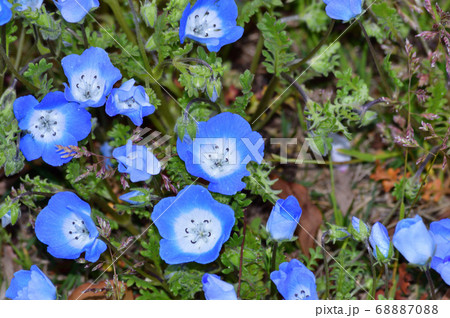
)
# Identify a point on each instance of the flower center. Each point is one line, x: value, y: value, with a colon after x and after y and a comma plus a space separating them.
x: 88, y: 86
x: 218, y: 156
x: 302, y: 294
x: 128, y: 104
x: 204, y: 23
x: 197, y: 231
x: 77, y: 230
x: 47, y: 125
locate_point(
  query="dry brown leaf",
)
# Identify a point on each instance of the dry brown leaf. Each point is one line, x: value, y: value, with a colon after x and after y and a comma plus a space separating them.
x: 78, y: 294
x: 387, y: 177
x: 311, y: 218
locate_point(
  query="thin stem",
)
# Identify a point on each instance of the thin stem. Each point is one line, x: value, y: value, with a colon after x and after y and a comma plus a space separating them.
x: 117, y: 11
x: 386, y: 281
x: 384, y: 81
x: 273, y: 263
x: 20, y: 48
x: 12, y: 69
x: 257, y: 56
x: 139, y: 37
x: 299, y: 62
x: 241, y: 259
x: 337, y: 213
x: 83, y: 33
x: 264, y: 104
x: 430, y: 282
x: 372, y: 267
x: 325, y: 265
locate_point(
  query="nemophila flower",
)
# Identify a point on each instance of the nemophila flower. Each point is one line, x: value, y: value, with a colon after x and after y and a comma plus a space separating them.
x: 380, y: 241
x: 128, y: 197
x: 216, y: 289
x: 414, y: 241
x: 211, y: 22
x: 5, y: 12
x: 6, y: 219
x: 31, y: 285
x: 220, y: 152
x: 294, y: 281
x: 65, y: 225
x: 91, y: 77
x: 441, y: 259
x: 74, y: 11
x: 284, y: 219
x: 54, y: 121
x: 344, y: 10
x: 131, y: 101
x: 33, y: 5
x: 193, y: 225
x: 359, y: 229
x: 138, y: 161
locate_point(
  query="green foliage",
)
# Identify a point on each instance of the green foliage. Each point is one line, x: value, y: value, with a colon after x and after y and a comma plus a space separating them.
x: 315, y: 17
x: 277, y: 44
x: 259, y: 182
x: 36, y: 73
x: 327, y: 59
x: 184, y: 280
x: 388, y: 18
x: 241, y: 102
x: 251, y: 7
x: 11, y: 159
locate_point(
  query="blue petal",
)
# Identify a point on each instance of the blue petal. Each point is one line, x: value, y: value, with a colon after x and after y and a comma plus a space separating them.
x: 23, y: 105
x: 31, y: 149
x: 52, y: 155
x: 5, y: 12
x: 75, y: 11
x: 217, y: 289
x: 94, y: 251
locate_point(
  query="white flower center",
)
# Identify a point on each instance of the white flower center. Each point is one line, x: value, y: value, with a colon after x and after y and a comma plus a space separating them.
x: 76, y: 231
x: 88, y: 86
x: 204, y: 23
x: 128, y: 104
x: 197, y: 231
x: 302, y: 293
x: 217, y: 156
x: 47, y: 125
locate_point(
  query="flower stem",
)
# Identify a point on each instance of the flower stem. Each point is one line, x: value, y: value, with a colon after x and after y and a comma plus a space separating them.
x: 257, y: 56
x: 430, y: 282
x: 372, y: 267
x: 299, y: 62
x: 13, y: 70
x: 384, y: 81
x: 241, y: 259
x: 83, y: 33
x: 386, y: 281
x: 273, y: 263
x: 337, y: 213
x: 264, y: 104
x: 117, y: 11
x: 325, y: 265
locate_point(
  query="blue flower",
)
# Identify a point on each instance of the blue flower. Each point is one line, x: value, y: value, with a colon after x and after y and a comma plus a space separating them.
x: 359, y: 230
x: 211, y: 22
x: 216, y: 289
x: 128, y: 197
x: 131, y: 101
x: 138, y: 161
x: 344, y: 10
x: 193, y: 225
x: 379, y: 239
x: 33, y: 5
x: 5, y: 12
x: 53, y: 121
x: 65, y: 225
x: 74, y: 11
x: 6, y: 219
x: 414, y: 241
x: 284, y: 219
x: 31, y: 285
x: 294, y: 281
x: 220, y: 152
x: 441, y: 260
x: 91, y: 77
